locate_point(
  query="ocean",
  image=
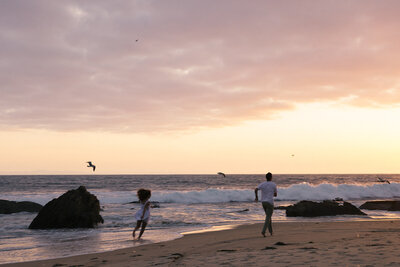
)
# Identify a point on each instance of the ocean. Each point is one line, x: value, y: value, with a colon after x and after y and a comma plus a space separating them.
x: 185, y: 203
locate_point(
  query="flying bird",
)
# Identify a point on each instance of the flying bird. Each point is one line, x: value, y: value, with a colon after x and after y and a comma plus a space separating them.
x: 381, y: 180
x: 221, y: 173
x: 91, y: 165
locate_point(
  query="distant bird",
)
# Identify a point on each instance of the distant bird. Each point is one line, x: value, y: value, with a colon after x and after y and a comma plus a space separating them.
x: 380, y: 180
x: 292, y: 155
x: 221, y: 173
x: 91, y: 165
x: 137, y: 40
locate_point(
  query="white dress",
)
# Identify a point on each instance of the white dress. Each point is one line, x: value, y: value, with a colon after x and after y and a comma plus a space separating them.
x: 139, y: 213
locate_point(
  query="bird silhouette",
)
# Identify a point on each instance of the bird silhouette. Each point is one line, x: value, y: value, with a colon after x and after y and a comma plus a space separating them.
x: 91, y: 165
x: 382, y: 180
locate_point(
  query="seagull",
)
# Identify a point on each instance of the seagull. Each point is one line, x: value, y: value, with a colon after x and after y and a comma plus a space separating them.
x: 382, y: 180
x: 221, y: 173
x: 91, y: 165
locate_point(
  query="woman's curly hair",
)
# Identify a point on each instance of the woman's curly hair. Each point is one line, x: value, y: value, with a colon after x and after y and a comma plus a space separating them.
x: 143, y: 194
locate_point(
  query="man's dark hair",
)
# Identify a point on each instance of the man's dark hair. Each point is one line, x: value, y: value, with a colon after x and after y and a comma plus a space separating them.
x: 268, y: 176
x: 143, y: 194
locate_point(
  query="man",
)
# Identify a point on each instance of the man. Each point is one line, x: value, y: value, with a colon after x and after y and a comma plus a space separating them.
x: 268, y: 192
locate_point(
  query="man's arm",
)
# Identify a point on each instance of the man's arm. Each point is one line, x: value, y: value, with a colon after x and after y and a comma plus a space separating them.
x: 275, y: 192
x: 255, y: 192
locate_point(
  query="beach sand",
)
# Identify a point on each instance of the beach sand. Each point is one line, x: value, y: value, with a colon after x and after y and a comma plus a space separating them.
x: 360, y: 243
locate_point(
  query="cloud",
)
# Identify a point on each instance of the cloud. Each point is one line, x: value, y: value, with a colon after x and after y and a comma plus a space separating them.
x: 73, y: 65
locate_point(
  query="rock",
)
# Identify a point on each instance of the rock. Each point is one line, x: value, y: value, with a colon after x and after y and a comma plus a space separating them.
x: 280, y: 208
x: 390, y: 205
x: 244, y: 210
x: 155, y: 204
x: 74, y: 209
x: 326, y: 208
x: 8, y: 207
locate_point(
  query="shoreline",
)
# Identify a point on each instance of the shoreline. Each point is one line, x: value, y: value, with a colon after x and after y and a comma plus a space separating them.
x: 181, y: 234
x: 336, y: 243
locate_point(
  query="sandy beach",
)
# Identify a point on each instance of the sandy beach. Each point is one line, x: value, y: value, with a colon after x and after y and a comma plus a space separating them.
x: 360, y: 243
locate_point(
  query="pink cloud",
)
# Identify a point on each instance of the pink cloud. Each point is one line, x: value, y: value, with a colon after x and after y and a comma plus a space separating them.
x: 73, y: 65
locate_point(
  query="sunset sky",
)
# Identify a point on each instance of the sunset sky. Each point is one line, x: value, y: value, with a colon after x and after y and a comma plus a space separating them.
x: 174, y: 87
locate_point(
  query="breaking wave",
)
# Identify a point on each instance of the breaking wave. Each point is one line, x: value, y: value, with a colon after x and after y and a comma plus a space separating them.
x: 296, y: 192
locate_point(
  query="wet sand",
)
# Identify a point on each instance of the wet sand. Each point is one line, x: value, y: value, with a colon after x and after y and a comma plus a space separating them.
x: 363, y: 243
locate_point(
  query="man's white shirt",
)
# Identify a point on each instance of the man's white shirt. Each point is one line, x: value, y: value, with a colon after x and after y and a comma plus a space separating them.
x: 268, y: 190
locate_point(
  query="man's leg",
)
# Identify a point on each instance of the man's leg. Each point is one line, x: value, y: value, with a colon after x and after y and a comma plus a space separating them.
x: 268, y: 208
x: 265, y: 222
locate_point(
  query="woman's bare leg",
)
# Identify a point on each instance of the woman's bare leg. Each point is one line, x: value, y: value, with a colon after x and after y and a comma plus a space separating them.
x: 138, y: 223
x: 144, y: 224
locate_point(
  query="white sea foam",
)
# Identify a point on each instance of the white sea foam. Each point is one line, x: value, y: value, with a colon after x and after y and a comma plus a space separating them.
x: 296, y: 192
x: 305, y: 191
x: 204, y: 196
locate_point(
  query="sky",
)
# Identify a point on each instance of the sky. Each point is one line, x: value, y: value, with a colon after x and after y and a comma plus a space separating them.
x: 176, y: 87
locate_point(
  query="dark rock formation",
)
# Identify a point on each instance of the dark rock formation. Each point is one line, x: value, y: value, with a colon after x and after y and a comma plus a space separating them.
x: 241, y: 211
x: 155, y: 204
x: 280, y: 207
x: 325, y: 208
x: 390, y: 205
x: 8, y: 207
x: 74, y: 209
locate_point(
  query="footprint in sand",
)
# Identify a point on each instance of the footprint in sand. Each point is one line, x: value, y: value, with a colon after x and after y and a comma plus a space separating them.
x: 226, y: 250
x: 175, y: 256
x: 266, y: 248
x: 308, y: 248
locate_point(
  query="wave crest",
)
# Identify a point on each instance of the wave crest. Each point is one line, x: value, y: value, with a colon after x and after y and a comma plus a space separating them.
x: 296, y: 192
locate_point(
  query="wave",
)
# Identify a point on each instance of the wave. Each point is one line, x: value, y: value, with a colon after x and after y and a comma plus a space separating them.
x: 204, y: 196
x: 305, y: 191
x: 296, y: 192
